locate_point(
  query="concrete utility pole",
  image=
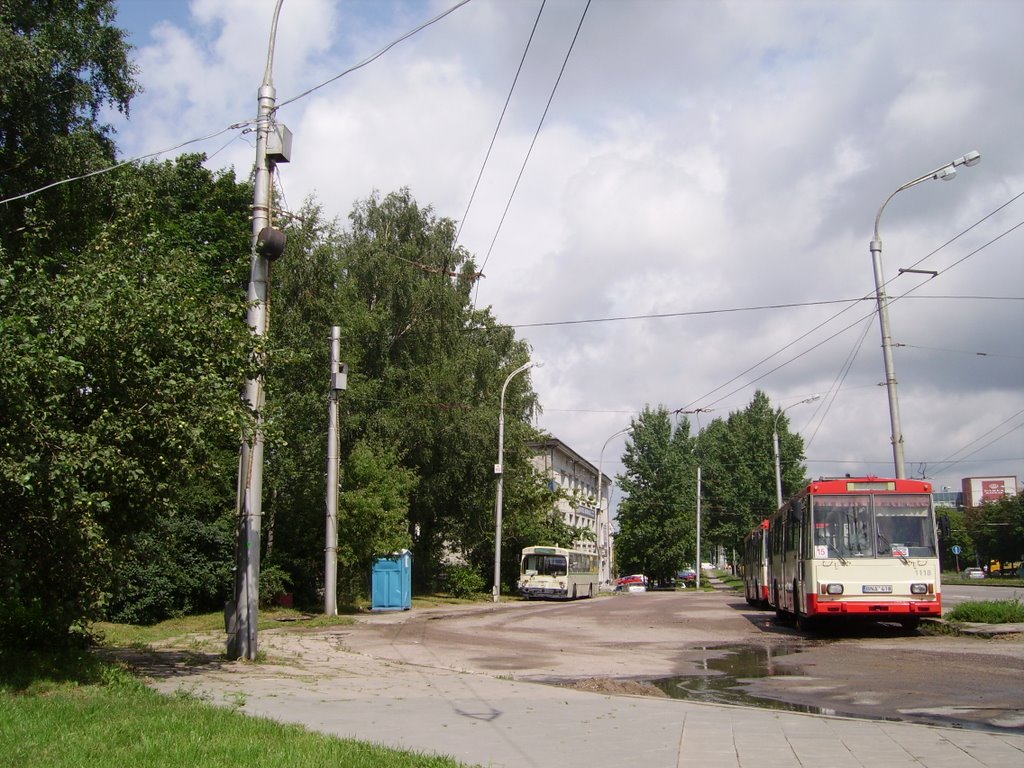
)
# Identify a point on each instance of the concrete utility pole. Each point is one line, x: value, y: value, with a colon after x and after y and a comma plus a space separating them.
x: 273, y: 145
x: 698, y: 569
x: 339, y: 382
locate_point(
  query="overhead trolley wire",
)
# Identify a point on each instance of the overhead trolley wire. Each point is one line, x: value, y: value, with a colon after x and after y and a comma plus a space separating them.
x: 533, y: 142
x: 501, y: 118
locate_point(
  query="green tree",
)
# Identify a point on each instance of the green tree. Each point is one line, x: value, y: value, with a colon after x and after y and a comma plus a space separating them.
x: 61, y: 63
x: 997, y: 529
x: 657, y: 516
x: 119, y: 406
x: 425, y: 370
x: 738, y: 462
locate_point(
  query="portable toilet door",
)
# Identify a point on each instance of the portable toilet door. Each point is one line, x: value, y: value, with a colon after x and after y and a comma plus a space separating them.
x: 391, y: 588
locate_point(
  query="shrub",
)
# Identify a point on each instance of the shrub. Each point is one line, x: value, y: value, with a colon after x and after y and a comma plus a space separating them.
x: 274, y: 580
x: 463, y: 581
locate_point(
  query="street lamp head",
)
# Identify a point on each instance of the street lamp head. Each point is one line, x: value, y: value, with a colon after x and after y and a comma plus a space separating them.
x: 971, y: 158
x: 948, y: 173
x: 538, y: 363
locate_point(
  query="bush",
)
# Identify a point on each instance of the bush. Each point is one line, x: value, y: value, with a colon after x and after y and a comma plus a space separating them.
x: 463, y: 581
x: 988, y: 612
x: 274, y: 580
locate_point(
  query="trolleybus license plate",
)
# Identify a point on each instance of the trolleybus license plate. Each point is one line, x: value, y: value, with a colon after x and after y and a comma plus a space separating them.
x: 874, y: 589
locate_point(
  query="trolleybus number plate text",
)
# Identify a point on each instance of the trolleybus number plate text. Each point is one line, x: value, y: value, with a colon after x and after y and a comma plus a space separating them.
x: 877, y: 589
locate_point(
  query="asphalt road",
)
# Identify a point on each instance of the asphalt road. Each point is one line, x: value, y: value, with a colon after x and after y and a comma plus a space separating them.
x: 714, y: 647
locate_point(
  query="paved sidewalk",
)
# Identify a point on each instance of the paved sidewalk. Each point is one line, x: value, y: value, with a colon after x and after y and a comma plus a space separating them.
x: 488, y: 721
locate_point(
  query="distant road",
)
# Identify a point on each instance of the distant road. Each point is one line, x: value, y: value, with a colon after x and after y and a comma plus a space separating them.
x: 953, y: 594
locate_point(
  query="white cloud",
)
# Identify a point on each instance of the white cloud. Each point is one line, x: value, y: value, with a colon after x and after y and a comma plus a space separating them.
x: 696, y: 156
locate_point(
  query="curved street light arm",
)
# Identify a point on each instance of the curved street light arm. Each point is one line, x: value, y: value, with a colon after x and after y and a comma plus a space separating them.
x: 499, y: 470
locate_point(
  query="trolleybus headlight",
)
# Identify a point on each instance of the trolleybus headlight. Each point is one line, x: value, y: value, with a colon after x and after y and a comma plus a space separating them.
x: 919, y: 589
x: 833, y: 589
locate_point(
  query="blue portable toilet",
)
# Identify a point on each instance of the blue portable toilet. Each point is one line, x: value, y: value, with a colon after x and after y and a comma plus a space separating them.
x: 392, y: 582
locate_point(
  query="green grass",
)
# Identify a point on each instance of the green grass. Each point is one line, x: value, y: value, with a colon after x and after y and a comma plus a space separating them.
x: 135, y: 636
x: 72, y: 708
x: 988, y: 612
x: 69, y: 710
x: 951, y: 577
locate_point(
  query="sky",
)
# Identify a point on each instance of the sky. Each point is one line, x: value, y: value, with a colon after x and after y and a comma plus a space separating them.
x: 677, y: 205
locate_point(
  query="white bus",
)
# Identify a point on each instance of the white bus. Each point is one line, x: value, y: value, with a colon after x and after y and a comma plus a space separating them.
x: 557, y: 572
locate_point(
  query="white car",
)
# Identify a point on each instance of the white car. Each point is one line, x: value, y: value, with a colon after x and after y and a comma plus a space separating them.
x: 974, y: 573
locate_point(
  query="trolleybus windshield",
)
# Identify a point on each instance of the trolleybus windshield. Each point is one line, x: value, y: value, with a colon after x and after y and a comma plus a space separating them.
x: 873, y: 525
x: 544, y: 565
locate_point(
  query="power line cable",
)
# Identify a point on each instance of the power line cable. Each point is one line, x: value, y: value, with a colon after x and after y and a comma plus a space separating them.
x: 137, y: 159
x: 373, y: 57
x: 239, y: 124
x: 825, y: 322
x: 837, y: 385
x: 533, y: 142
x: 501, y: 118
x: 950, y: 461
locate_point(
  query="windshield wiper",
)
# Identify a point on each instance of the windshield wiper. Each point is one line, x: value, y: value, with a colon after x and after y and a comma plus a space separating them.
x: 841, y: 558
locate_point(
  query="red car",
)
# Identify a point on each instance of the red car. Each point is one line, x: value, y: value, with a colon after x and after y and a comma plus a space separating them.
x: 635, y: 583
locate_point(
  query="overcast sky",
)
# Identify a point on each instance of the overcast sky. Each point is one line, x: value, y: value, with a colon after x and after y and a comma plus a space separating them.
x: 709, y: 170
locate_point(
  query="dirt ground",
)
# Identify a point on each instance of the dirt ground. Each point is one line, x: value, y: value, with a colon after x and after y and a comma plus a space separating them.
x: 712, y: 647
x: 701, y: 646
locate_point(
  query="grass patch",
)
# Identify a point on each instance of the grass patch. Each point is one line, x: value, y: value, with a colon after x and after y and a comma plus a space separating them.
x: 67, y: 710
x: 951, y: 577
x: 988, y: 612
x: 136, y: 636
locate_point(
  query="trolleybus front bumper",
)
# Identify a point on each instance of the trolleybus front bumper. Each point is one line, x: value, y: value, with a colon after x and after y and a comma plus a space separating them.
x: 874, y: 608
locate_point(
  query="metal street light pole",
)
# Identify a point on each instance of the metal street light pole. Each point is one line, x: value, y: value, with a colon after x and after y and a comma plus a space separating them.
x: 604, y: 550
x: 267, y: 245
x: 499, y: 470
x: 945, y: 172
x: 775, y: 448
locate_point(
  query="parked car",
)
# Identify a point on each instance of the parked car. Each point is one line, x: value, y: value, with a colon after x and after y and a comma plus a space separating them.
x: 635, y: 583
x: 973, y: 573
x: 688, y: 575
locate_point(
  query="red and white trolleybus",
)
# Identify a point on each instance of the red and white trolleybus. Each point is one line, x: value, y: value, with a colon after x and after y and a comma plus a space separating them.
x: 755, y: 565
x: 861, y: 547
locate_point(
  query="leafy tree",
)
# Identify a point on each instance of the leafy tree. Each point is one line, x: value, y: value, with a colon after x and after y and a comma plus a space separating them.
x: 425, y: 370
x: 997, y: 529
x: 119, y: 407
x: 61, y: 62
x: 954, y: 522
x: 657, y: 517
x: 738, y: 463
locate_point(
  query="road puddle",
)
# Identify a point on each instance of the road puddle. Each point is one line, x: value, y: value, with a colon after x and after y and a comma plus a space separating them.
x: 724, y: 674
x: 720, y: 680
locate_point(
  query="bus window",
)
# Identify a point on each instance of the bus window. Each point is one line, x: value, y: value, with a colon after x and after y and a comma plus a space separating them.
x: 842, y: 526
x: 904, y: 526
